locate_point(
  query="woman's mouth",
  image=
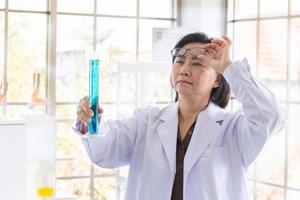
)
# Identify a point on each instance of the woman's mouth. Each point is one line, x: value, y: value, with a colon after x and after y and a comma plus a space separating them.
x: 184, y: 82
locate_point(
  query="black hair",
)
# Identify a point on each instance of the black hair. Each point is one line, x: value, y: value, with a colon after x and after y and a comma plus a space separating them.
x: 219, y: 95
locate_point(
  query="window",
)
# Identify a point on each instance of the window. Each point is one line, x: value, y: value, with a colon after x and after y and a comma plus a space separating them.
x: 22, y: 56
x: 116, y: 29
x: 267, y: 32
x: 119, y: 30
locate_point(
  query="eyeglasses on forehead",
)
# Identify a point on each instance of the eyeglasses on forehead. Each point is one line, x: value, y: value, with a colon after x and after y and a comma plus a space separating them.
x: 183, y: 51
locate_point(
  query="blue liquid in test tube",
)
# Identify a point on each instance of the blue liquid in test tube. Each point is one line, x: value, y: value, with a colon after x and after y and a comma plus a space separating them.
x: 94, y: 94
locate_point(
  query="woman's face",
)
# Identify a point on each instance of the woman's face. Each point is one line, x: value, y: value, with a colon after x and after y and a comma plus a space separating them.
x: 190, y: 77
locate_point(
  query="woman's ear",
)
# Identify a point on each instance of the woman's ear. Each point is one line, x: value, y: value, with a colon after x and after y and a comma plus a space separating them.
x: 217, y: 82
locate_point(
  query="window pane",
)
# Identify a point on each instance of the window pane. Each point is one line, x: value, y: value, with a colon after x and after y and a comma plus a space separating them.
x: 245, y: 43
x: 141, y: 88
x: 123, y: 180
x: 116, y: 40
x: 2, y: 3
x: 273, y: 56
x: 104, y: 171
x: 78, y: 187
x: 145, y: 36
x: 273, y: 53
x: 105, y: 188
x: 270, y: 163
x: 114, y: 50
x: 293, y: 195
x: 250, y: 188
x: 273, y: 7
x: 39, y: 5
x: 245, y: 9
x: 128, y: 87
x: 158, y: 87
x: 27, y: 44
x: 117, y: 7
x: 16, y: 110
x: 294, y: 146
x: 110, y: 111
x: 250, y: 171
x: 151, y: 8
x: 108, y: 84
x: 116, y: 37
x: 295, y: 6
x: 266, y: 192
x: 66, y: 111
x: 278, y: 88
x: 77, y: 6
x: 74, y: 33
x: 74, y: 44
x: 295, y: 61
x: 229, y: 33
x: 73, y: 167
x: 230, y: 9
x: 72, y: 157
x: 68, y: 142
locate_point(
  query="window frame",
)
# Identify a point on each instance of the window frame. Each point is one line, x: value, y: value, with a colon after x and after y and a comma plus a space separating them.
x: 230, y: 23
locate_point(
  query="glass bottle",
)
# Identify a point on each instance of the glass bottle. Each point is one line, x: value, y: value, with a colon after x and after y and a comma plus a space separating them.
x: 45, y: 177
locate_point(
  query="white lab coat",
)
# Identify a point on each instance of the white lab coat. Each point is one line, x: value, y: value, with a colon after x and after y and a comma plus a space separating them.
x: 222, y: 147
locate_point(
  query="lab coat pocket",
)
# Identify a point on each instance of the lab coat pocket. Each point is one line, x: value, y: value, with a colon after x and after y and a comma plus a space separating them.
x: 214, y: 170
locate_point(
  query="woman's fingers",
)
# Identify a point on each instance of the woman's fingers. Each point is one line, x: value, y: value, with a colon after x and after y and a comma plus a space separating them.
x: 85, y: 103
x: 84, y: 111
x: 219, y: 42
x: 211, y: 49
x: 227, y: 39
x: 210, y: 46
x: 211, y: 52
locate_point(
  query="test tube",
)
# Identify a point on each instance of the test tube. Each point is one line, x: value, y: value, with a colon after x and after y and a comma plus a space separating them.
x: 94, y: 94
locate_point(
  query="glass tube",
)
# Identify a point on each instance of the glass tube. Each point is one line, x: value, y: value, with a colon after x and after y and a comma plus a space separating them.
x: 94, y: 94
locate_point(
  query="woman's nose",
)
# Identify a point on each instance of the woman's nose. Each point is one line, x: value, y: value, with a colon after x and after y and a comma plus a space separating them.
x: 185, y: 70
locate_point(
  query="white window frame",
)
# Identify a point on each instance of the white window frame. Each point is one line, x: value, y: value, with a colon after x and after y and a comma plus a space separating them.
x: 287, y: 102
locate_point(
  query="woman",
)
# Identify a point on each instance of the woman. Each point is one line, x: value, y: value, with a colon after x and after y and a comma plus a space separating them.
x: 192, y: 149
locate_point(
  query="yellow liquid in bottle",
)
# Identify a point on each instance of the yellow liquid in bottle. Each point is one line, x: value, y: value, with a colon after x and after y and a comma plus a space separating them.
x: 45, y: 192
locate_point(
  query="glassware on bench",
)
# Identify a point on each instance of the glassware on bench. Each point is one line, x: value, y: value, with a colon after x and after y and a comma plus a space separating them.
x: 44, y: 180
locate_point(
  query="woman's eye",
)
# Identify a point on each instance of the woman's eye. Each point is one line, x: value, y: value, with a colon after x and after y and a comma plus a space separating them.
x: 179, y: 61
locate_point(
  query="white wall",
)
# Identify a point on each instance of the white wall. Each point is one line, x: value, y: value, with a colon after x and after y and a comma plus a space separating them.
x: 205, y: 15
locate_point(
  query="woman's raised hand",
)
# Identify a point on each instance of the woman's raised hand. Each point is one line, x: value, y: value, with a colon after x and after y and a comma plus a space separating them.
x: 218, y: 51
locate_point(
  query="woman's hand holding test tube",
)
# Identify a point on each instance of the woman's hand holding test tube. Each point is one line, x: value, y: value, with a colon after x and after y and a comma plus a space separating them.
x: 85, y: 113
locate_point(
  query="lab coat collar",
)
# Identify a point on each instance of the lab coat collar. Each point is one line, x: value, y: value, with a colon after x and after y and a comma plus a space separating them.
x: 213, y: 111
x: 206, y: 130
